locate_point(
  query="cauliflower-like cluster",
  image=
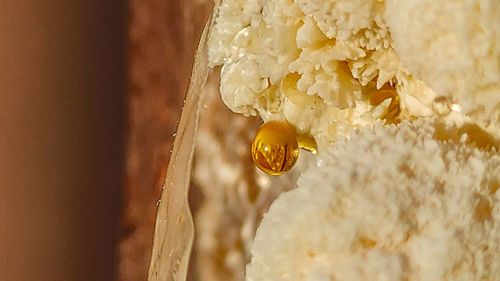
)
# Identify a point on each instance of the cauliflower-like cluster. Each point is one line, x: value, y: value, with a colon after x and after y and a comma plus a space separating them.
x: 415, y: 201
x: 281, y: 60
x: 317, y: 63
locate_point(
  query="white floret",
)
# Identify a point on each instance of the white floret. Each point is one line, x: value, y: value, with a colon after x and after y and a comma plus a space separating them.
x: 234, y: 30
x: 391, y: 203
x: 415, y: 201
x: 358, y: 22
x: 427, y: 49
x: 241, y: 85
x: 341, y: 51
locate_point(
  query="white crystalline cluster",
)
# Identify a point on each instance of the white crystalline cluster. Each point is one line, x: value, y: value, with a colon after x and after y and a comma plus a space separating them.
x: 391, y: 203
x: 339, y: 51
x: 416, y: 200
x: 331, y: 60
x: 360, y: 23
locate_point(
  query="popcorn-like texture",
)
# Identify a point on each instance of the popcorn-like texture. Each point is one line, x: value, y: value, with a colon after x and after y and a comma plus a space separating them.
x: 408, y: 202
x: 448, y: 49
x: 358, y: 22
x: 242, y: 85
x: 454, y: 47
x: 331, y: 54
x: 233, y: 31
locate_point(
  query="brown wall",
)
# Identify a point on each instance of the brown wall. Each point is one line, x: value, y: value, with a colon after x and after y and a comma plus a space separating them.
x: 62, y: 120
x: 84, y: 142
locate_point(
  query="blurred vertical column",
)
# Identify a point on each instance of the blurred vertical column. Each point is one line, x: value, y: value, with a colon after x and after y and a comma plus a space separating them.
x: 62, y: 121
x: 163, y: 35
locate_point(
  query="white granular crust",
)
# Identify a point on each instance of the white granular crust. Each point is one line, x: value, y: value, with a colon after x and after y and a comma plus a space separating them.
x: 391, y: 203
x: 454, y: 47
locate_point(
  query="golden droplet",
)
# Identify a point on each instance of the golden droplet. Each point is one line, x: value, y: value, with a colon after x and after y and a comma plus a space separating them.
x: 275, y: 148
x: 393, y: 109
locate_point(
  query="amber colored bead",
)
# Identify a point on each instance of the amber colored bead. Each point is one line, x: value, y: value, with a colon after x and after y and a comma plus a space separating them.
x: 275, y: 148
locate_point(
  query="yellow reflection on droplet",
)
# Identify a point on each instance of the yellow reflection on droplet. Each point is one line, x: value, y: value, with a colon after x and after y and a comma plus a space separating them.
x: 308, y: 143
x: 275, y: 148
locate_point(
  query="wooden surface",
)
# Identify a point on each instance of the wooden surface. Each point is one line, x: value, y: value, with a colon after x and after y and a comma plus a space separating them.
x: 163, y: 35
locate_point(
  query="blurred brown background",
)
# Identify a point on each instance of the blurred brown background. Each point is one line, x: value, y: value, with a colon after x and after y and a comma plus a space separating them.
x: 62, y: 128
x: 90, y: 92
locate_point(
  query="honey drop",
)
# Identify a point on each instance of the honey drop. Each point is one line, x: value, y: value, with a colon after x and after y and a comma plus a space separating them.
x: 275, y: 148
